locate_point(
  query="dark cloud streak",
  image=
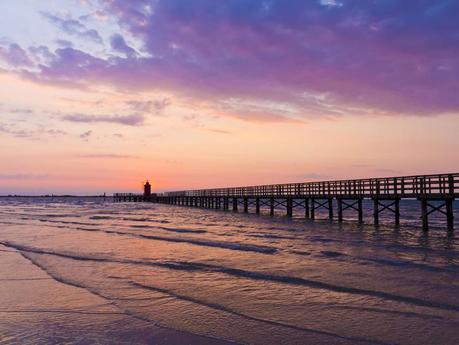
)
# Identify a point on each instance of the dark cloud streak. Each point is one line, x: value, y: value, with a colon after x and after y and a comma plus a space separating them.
x: 128, y: 120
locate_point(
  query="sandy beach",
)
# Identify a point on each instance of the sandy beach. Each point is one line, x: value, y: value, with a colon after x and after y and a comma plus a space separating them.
x: 37, y: 309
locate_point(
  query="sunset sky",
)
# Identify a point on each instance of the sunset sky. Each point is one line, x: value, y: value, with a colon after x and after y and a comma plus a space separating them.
x: 98, y: 95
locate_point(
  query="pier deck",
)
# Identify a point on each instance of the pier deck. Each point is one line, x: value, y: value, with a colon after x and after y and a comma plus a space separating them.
x: 435, y: 193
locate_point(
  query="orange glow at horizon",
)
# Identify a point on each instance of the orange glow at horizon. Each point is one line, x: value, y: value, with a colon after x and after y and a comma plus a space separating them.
x: 179, y: 149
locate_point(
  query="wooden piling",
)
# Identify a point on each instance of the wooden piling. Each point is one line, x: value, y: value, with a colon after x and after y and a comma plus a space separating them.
x: 339, y: 202
x: 397, y: 211
x: 313, y: 208
x: 289, y: 204
x: 330, y: 208
x: 449, y: 214
x: 360, y: 210
x: 424, y: 214
x: 376, y: 211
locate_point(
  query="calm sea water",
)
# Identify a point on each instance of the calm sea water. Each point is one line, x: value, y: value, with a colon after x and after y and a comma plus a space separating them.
x: 242, y: 278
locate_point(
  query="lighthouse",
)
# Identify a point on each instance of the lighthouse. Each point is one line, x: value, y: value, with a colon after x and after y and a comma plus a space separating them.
x: 147, y: 190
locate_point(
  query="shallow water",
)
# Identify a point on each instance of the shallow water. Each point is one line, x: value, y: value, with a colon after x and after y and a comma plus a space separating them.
x: 243, y: 278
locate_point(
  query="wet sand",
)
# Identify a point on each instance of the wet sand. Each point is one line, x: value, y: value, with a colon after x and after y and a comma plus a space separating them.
x: 37, y: 309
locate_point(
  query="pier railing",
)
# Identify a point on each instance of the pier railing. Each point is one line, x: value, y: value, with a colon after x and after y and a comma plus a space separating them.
x: 436, y: 193
x: 439, y: 186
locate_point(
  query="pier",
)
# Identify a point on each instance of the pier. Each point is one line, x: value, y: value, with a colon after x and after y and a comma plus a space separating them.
x: 435, y: 193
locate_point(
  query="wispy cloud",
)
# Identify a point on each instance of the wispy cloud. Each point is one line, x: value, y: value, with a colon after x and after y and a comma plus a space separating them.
x: 220, y: 131
x: 15, y: 56
x: 21, y: 111
x: 73, y: 27
x: 86, y: 135
x: 119, y: 45
x: 150, y: 107
x: 107, y: 155
x: 30, y: 133
x: 21, y: 176
x: 129, y: 120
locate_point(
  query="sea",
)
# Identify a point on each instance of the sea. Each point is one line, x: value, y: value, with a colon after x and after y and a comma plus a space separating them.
x: 91, y: 271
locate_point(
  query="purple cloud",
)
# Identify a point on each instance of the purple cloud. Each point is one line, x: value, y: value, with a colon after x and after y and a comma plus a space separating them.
x: 15, y: 56
x: 73, y: 27
x: 86, y: 135
x: 118, y: 44
x: 219, y: 131
x: 21, y: 111
x: 151, y: 107
x: 304, y: 58
x: 130, y: 120
x: 107, y: 155
x: 36, y: 133
x: 64, y: 43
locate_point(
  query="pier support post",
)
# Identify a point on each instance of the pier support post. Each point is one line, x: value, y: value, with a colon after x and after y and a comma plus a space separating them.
x: 330, y: 208
x: 257, y: 205
x: 424, y: 214
x: 289, y: 204
x: 397, y: 211
x: 234, y: 204
x: 306, y: 208
x: 449, y: 214
x: 225, y: 203
x: 313, y: 208
x: 339, y: 201
x: 360, y: 210
x: 246, y: 205
x: 376, y: 211
x: 271, y: 206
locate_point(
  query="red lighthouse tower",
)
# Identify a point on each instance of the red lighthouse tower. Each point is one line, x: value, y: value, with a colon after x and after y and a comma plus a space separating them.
x: 147, y: 190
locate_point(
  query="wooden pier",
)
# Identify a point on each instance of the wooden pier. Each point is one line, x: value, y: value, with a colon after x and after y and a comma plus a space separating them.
x: 436, y: 193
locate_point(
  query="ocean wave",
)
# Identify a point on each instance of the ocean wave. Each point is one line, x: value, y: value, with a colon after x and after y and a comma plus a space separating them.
x: 254, y: 275
x: 207, y: 243
x: 54, y: 215
x: 178, y: 230
x: 135, y: 219
x: 65, y: 222
x: 101, y: 217
x: 224, y: 309
x: 272, y: 236
x: 215, y: 244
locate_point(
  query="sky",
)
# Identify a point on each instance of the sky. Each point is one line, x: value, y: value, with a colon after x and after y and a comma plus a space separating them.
x: 99, y: 95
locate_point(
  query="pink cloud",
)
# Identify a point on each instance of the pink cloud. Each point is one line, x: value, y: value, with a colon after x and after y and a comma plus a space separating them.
x: 321, y: 59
